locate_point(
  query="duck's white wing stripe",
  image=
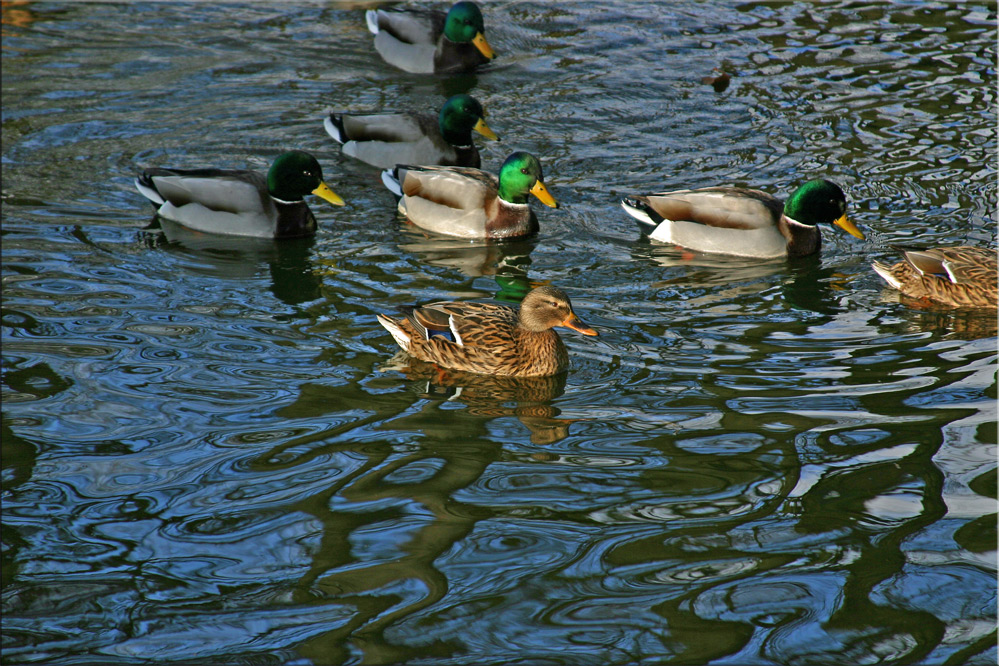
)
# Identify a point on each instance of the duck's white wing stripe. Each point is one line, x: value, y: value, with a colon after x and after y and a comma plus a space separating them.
x: 454, y: 331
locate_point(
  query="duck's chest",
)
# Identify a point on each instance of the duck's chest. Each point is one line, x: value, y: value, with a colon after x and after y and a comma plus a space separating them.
x: 507, y: 220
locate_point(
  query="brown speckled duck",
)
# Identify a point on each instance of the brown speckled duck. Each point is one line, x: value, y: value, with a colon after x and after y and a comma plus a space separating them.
x: 963, y: 276
x: 487, y: 338
x: 471, y: 203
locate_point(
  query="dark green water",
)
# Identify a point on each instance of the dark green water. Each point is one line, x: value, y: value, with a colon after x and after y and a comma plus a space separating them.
x: 210, y: 455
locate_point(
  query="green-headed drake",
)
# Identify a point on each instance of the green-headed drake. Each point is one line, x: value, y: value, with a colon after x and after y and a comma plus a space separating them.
x: 963, y: 276
x: 742, y: 222
x: 386, y: 139
x: 471, y: 203
x: 423, y: 41
x: 241, y: 203
x: 487, y: 338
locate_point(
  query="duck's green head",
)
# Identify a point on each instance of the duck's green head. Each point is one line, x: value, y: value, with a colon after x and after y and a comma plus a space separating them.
x: 464, y: 24
x: 820, y: 202
x: 459, y: 116
x: 295, y: 174
x: 521, y: 175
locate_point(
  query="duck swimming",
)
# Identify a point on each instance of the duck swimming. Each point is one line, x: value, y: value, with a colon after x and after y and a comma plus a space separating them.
x: 487, y: 338
x: 422, y: 41
x: 241, y: 203
x: 471, y: 203
x: 386, y: 139
x: 743, y: 222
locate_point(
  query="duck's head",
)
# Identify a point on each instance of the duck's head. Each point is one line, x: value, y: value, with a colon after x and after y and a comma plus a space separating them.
x: 459, y: 116
x: 820, y: 202
x: 295, y: 174
x: 521, y: 175
x: 546, y: 307
x: 464, y: 24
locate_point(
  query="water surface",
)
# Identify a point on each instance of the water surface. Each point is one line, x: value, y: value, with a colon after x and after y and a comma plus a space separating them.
x: 212, y: 454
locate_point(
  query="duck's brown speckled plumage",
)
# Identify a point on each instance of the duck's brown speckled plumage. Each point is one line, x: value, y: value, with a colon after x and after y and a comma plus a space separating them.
x: 961, y: 276
x: 489, y: 338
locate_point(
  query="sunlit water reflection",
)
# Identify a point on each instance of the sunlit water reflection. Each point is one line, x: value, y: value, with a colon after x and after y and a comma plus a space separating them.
x: 212, y: 452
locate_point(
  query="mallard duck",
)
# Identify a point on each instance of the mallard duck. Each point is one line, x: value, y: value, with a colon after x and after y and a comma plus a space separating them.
x: 386, y: 139
x: 423, y: 41
x: 241, y: 203
x: 741, y: 222
x: 491, y: 339
x: 470, y: 203
x: 957, y: 276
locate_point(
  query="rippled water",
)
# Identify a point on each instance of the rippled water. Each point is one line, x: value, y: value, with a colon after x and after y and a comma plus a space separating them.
x: 210, y: 453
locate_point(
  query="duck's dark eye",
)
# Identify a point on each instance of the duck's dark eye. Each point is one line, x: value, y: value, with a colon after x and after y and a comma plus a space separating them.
x: 524, y: 171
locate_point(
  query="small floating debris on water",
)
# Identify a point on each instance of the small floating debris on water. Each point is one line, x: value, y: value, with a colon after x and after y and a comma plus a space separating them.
x: 719, y: 81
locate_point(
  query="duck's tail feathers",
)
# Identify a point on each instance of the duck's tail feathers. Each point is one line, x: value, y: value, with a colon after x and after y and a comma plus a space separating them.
x: 884, y: 270
x: 147, y: 188
x: 640, y: 211
x: 334, y: 127
x: 371, y: 16
x: 390, y: 178
x: 401, y: 337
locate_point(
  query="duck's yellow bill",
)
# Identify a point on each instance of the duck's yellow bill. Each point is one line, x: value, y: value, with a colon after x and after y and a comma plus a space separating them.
x: 324, y: 192
x: 848, y: 226
x: 482, y: 128
x: 480, y: 43
x: 573, y: 322
x: 541, y: 192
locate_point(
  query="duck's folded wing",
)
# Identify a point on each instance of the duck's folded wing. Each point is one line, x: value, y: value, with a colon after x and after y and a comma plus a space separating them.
x: 388, y: 127
x: 412, y: 26
x: 448, y: 200
x: 464, y: 323
x: 219, y: 190
x: 389, y: 139
x: 452, y: 187
x: 960, y: 265
x: 728, y: 208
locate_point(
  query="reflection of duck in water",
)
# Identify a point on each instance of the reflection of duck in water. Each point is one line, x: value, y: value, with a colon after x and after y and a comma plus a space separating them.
x: 488, y: 338
x: 491, y: 395
x: 473, y: 258
x: 293, y: 274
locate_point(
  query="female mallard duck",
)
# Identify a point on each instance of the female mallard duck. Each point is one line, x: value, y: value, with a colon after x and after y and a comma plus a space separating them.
x: 386, y: 139
x: 741, y: 222
x: 471, y: 203
x: 423, y: 41
x: 241, y: 203
x: 957, y: 276
x: 491, y: 339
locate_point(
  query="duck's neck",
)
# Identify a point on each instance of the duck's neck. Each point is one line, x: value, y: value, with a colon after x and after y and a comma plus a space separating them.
x: 457, y: 138
x: 514, y: 195
x: 802, y: 239
x: 543, y: 350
